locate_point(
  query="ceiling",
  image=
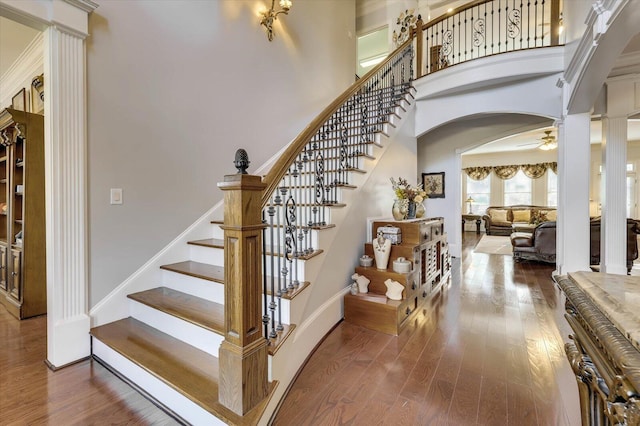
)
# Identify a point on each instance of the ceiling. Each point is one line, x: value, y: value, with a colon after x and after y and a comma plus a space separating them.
x: 530, y: 140
x: 14, y: 38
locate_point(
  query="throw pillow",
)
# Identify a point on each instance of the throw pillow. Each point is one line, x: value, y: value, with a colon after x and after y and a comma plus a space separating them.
x: 522, y: 216
x: 552, y: 215
x: 498, y: 215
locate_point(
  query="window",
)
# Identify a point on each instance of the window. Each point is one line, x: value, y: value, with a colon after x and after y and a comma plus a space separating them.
x: 480, y: 192
x: 552, y: 189
x: 517, y: 190
x: 631, y: 191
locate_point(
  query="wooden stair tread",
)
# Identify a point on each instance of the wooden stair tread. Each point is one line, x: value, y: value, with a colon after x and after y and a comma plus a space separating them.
x: 198, y: 311
x: 275, y: 343
x: 290, y: 294
x: 208, y: 242
x: 188, y: 370
x: 302, y: 257
x: 198, y: 270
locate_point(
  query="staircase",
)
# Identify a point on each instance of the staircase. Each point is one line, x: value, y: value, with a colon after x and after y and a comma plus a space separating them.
x: 168, y: 345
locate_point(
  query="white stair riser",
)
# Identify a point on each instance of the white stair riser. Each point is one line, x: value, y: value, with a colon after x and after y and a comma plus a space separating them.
x: 194, y: 286
x: 182, y: 406
x: 209, y: 255
x: 290, y: 268
x: 312, y: 235
x: 217, y: 232
x: 286, y: 306
x: 189, y: 333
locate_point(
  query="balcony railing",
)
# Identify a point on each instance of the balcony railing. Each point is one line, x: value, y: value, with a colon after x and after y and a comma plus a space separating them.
x: 485, y: 28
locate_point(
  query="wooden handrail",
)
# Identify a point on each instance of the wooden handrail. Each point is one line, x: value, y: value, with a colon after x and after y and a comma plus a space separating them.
x: 279, y: 169
x: 554, y: 8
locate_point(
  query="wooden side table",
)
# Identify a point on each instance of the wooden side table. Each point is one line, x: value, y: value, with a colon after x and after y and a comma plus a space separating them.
x: 475, y: 217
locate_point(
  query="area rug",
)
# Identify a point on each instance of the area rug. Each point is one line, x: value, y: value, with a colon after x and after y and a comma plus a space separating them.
x: 494, y: 244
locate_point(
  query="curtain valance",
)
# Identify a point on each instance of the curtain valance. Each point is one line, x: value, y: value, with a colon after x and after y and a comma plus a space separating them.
x: 533, y: 171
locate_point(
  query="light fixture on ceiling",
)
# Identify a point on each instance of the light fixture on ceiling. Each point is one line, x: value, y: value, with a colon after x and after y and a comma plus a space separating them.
x: 548, y: 141
x: 271, y: 15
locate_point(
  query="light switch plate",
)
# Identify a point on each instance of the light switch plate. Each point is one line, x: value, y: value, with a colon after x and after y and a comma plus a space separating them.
x: 116, y: 195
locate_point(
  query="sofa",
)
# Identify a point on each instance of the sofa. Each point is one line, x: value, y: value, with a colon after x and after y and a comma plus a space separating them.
x: 540, y: 244
x: 537, y: 245
x: 500, y: 220
x: 633, y: 229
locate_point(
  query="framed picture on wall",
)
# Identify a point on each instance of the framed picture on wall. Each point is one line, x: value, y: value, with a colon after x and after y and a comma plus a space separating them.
x: 433, y: 184
x: 19, y: 100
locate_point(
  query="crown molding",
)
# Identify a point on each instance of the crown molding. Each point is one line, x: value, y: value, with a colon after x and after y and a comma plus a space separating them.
x: 28, y: 64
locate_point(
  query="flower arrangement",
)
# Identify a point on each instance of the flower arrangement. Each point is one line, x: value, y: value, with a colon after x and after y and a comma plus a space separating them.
x: 405, y: 191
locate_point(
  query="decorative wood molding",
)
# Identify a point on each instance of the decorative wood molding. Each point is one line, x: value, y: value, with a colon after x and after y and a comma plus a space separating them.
x: 603, y: 360
x: 243, y: 369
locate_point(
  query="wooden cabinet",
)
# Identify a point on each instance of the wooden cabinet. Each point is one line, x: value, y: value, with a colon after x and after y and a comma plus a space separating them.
x: 23, y: 287
x: 425, y: 245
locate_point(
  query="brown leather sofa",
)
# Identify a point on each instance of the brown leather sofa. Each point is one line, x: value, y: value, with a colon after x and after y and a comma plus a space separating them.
x: 499, y: 220
x: 537, y: 245
x: 541, y: 243
x: 633, y: 229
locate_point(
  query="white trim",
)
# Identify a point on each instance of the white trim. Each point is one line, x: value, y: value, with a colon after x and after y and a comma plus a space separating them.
x: 66, y: 24
x: 26, y: 66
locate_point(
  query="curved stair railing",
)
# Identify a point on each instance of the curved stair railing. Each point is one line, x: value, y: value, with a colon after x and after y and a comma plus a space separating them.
x: 306, y: 182
x: 270, y: 221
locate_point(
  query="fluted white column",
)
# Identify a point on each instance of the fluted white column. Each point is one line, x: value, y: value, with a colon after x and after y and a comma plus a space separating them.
x: 65, y: 169
x: 574, y: 159
x: 622, y: 100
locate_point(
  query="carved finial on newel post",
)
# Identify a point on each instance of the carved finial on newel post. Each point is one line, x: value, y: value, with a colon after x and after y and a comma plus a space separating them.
x: 242, y: 161
x: 243, y: 353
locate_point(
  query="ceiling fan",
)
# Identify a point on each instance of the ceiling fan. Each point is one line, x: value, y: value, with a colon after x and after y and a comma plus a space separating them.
x: 546, y: 143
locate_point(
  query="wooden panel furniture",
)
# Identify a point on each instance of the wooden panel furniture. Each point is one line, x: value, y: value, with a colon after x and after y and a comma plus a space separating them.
x: 602, y: 310
x: 22, y: 214
x: 475, y: 217
x: 424, y: 243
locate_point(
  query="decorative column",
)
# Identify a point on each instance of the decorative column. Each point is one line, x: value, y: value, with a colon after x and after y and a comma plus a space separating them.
x: 66, y: 197
x: 243, y: 353
x: 613, y: 232
x: 65, y: 123
x: 574, y: 159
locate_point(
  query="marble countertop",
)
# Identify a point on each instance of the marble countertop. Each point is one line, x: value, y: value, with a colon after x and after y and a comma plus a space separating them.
x: 617, y: 297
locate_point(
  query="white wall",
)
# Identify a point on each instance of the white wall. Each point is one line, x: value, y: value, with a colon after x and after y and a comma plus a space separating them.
x: 174, y: 88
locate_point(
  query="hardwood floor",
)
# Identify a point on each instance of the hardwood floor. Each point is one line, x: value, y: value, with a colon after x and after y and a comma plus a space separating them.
x: 489, y: 352
x: 82, y: 394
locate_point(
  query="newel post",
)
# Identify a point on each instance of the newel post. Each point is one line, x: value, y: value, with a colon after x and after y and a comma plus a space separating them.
x: 243, y: 353
x: 419, y: 65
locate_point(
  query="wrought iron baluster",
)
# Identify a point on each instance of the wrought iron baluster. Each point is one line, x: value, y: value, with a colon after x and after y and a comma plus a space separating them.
x: 272, y: 305
x: 265, y: 315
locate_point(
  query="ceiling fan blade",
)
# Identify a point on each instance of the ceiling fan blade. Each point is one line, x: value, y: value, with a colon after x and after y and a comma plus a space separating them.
x: 530, y: 143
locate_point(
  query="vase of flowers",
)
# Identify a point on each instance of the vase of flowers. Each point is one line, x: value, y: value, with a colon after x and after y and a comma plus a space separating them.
x: 408, y: 203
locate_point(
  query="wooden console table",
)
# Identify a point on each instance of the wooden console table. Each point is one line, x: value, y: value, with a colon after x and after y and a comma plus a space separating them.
x: 475, y: 217
x: 602, y: 310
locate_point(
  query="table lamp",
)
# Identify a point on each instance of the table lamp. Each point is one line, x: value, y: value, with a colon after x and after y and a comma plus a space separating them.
x: 469, y: 201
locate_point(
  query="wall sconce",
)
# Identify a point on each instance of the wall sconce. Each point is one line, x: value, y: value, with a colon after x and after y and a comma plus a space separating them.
x: 469, y: 201
x: 271, y: 15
